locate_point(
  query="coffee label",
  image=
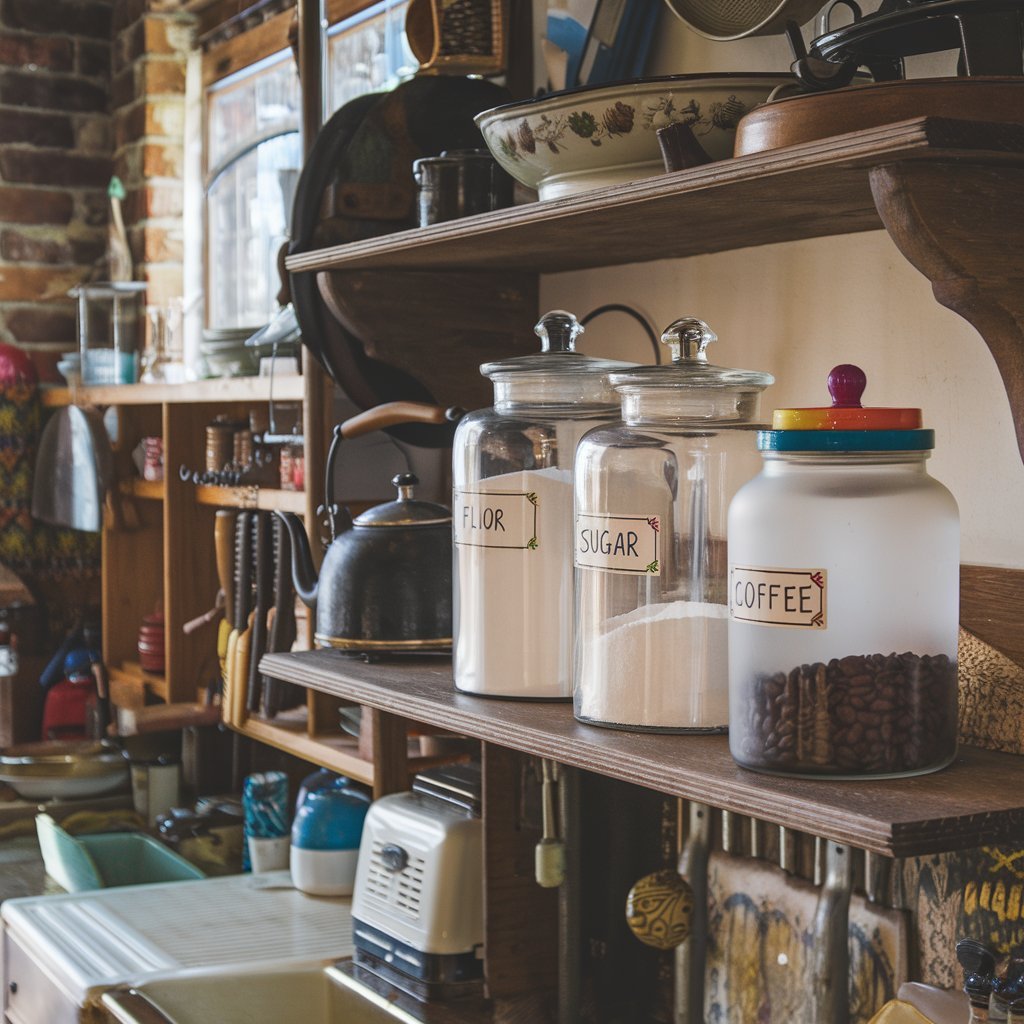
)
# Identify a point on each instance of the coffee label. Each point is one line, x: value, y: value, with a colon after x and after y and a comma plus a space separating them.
x: 496, y: 519
x: 618, y: 543
x: 779, y: 597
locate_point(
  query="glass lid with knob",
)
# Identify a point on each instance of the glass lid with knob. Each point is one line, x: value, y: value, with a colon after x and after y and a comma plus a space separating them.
x: 557, y: 373
x: 689, y: 387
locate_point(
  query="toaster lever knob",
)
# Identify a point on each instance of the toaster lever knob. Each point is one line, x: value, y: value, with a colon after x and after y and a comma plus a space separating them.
x: 394, y: 857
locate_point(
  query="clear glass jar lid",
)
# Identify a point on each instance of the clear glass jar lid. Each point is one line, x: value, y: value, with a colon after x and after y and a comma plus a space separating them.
x: 558, y: 331
x: 846, y: 425
x: 688, y: 339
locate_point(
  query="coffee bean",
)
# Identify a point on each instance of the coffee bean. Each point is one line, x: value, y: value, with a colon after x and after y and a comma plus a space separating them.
x: 861, y: 714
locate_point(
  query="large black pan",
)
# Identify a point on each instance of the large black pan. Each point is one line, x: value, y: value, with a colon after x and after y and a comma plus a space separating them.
x: 421, y: 117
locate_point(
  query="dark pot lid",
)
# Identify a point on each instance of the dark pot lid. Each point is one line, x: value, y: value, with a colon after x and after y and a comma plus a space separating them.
x: 407, y: 510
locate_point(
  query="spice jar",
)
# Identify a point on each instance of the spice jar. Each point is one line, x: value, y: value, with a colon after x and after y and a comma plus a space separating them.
x: 512, y: 510
x: 844, y: 596
x: 651, y: 498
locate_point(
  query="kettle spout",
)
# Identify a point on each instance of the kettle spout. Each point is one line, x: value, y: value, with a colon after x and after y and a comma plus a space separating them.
x: 303, y: 573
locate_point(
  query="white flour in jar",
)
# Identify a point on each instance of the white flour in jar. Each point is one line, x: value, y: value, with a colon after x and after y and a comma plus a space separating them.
x: 661, y: 666
x: 513, y: 606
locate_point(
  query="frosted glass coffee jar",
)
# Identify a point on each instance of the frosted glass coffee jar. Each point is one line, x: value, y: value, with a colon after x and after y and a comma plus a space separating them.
x: 844, y: 596
x: 512, y: 511
x: 652, y: 493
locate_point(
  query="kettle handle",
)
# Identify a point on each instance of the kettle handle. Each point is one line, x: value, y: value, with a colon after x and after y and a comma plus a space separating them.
x: 380, y: 416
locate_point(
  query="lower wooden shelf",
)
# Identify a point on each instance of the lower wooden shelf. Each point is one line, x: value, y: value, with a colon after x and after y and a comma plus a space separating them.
x: 129, y: 683
x: 288, y: 733
x: 978, y: 800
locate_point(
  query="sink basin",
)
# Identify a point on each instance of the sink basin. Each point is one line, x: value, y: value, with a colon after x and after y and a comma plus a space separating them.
x: 316, y: 995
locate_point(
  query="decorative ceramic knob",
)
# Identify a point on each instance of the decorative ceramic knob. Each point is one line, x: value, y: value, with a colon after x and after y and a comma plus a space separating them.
x: 846, y: 384
x: 659, y: 909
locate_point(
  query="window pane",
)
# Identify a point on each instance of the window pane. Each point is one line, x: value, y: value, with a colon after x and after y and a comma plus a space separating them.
x: 368, y: 53
x: 247, y: 105
x: 248, y: 208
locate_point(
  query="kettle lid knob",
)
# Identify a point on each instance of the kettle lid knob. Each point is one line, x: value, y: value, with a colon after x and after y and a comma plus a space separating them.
x: 405, y: 482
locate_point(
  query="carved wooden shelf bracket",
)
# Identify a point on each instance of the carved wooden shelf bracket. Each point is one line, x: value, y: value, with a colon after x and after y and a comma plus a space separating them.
x: 959, y: 222
x: 438, y: 326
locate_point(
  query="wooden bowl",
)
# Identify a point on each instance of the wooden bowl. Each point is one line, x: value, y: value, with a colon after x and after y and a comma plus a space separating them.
x: 810, y: 117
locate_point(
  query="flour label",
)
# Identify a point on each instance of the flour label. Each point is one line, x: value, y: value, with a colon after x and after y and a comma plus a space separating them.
x: 627, y: 544
x: 496, y: 519
x: 779, y: 597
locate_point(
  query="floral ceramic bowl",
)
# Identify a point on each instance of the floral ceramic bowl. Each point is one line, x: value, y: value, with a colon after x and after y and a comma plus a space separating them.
x: 571, y: 141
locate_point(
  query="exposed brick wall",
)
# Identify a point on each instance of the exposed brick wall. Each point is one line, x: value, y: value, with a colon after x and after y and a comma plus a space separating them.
x: 151, y: 43
x: 56, y: 149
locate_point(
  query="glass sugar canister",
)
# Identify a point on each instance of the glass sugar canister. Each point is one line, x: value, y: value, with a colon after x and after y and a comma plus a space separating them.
x: 652, y: 493
x: 844, y: 596
x: 512, y: 511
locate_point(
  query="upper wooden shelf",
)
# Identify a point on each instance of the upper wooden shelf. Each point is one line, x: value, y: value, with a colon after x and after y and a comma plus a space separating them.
x: 805, y: 191
x: 223, y: 389
x: 978, y: 800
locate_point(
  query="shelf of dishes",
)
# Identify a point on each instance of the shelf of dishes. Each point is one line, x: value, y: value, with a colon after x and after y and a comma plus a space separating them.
x: 979, y: 799
x: 801, y: 191
x: 225, y: 389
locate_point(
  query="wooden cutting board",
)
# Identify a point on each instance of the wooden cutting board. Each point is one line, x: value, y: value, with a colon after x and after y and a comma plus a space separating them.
x: 761, y: 944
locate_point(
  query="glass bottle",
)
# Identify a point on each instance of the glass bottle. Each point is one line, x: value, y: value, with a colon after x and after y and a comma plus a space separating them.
x: 844, y: 596
x: 651, y: 498
x: 512, y: 510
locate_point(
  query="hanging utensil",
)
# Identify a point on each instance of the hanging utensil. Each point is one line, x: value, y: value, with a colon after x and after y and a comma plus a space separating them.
x: 74, y: 469
x: 262, y: 556
x: 725, y: 20
x: 278, y: 695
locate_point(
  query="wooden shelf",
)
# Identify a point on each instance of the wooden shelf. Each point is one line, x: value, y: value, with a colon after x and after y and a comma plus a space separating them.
x: 267, y: 498
x: 805, y: 191
x: 134, y: 487
x: 978, y: 800
x: 129, y: 681
x: 224, y: 389
x: 337, y: 752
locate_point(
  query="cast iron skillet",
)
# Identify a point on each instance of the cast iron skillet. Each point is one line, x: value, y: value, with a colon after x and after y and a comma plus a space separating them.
x: 434, y: 107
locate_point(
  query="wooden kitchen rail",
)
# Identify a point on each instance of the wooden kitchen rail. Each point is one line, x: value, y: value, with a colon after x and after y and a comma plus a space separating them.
x: 976, y: 801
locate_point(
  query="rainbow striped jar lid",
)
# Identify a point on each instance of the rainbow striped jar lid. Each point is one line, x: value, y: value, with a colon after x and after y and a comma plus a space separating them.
x: 846, y: 424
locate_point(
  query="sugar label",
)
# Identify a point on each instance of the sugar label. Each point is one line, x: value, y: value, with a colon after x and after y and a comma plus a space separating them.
x: 779, y: 597
x: 626, y: 544
x: 496, y: 519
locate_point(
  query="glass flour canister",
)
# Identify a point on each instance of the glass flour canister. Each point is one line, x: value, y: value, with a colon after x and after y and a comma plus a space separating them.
x: 844, y: 596
x: 512, y: 512
x: 652, y: 493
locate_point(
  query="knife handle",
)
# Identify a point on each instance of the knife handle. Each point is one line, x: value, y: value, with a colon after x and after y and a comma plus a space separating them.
x: 277, y: 695
x: 262, y: 554
x: 223, y: 546
x: 243, y: 570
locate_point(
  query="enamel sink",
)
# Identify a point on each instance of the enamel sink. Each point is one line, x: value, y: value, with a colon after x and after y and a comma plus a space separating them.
x: 314, y: 995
